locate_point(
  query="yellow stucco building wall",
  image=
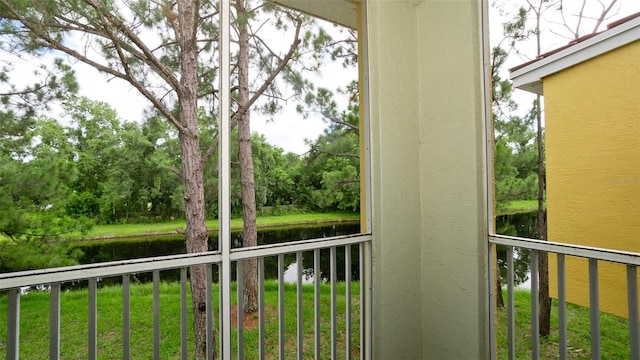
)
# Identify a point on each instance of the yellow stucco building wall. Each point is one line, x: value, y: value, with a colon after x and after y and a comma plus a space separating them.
x: 592, y: 113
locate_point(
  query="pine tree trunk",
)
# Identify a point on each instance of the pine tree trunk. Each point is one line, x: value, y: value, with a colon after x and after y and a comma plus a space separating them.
x: 543, y: 257
x: 250, y: 235
x: 499, y: 297
x: 544, y: 312
x: 192, y: 168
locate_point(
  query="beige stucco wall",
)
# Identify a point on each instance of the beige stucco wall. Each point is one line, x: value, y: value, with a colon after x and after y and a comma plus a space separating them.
x: 393, y: 64
x: 452, y: 180
x: 429, y: 248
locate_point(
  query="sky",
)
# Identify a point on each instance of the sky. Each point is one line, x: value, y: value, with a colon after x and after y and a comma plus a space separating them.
x: 289, y: 130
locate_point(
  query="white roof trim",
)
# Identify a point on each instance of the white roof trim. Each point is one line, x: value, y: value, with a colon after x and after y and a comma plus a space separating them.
x: 530, y: 77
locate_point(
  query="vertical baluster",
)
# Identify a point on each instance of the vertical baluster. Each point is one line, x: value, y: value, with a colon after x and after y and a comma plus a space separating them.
x: 300, y: 337
x: 594, y: 305
x: 54, y: 321
x: 365, y: 304
x: 535, y: 325
x: 221, y: 307
x: 93, y: 318
x: 362, y: 299
x: 240, y: 307
x: 317, y: 278
x: 347, y: 281
x: 261, y: 349
x: 492, y: 301
x: 183, y: 314
x: 562, y: 308
x: 13, y: 325
x: 281, y: 339
x: 126, y: 316
x: 156, y: 314
x: 332, y: 264
x: 367, y: 301
x: 224, y: 177
x: 209, y: 310
x: 632, y: 295
x: 511, y: 305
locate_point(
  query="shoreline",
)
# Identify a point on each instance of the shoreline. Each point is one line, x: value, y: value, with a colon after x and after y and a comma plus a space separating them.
x: 215, y: 230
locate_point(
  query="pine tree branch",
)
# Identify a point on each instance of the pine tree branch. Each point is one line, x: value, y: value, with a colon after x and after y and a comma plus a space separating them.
x: 243, y: 108
x: 108, y: 21
x: 152, y: 60
x: 133, y: 81
x: 336, y: 120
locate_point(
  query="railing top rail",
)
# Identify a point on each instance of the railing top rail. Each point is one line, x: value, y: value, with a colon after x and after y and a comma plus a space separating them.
x: 617, y: 256
x: 115, y: 268
x: 106, y: 269
x: 295, y: 246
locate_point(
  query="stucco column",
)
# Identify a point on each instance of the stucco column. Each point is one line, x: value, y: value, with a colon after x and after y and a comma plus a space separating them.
x: 452, y: 179
x: 393, y: 69
x: 430, y: 288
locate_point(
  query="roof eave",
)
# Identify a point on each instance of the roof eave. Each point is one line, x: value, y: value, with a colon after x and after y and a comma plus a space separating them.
x: 530, y: 76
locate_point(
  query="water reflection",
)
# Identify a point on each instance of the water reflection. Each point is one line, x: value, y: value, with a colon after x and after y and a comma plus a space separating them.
x: 142, y: 247
x: 521, y: 225
x: 133, y: 248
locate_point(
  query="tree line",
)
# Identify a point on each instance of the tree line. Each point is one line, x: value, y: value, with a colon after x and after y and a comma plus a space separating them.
x: 100, y: 169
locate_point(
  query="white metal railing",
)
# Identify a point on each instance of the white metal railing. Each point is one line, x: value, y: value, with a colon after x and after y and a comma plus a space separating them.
x: 594, y: 255
x: 53, y: 278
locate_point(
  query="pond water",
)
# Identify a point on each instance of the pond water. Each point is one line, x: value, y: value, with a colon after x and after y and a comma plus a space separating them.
x: 140, y: 247
x: 131, y: 248
x: 522, y: 225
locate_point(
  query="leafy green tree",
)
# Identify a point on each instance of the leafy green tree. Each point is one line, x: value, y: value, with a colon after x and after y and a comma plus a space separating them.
x: 32, y: 189
x: 34, y: 176
x: 275, y: 173
x: 94, y: 132
x: 333, y: 163
x: 514, y: 178
x: 162, y: 158
x: 514, y: 136
x: 124, y: 169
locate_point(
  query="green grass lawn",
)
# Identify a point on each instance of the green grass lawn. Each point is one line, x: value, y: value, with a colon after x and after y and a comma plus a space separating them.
x: 35, y: 317
x: 614, y: 332
x: 518, y: 206
x: 34, y: 323
x: 120, y: 230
